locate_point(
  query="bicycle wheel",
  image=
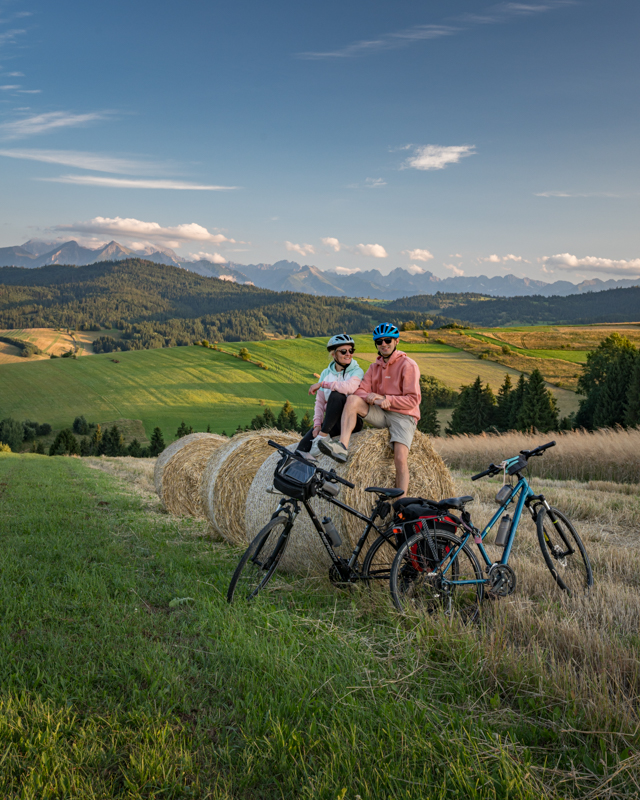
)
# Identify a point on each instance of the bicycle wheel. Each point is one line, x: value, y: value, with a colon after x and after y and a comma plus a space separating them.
x: 419, y: 576
x: 260, y: 559
x: 379, y: 560
x: 563, y: 552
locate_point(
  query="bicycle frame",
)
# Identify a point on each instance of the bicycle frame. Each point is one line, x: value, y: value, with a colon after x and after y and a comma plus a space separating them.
x: 521, y: 496
x: 338, y: 562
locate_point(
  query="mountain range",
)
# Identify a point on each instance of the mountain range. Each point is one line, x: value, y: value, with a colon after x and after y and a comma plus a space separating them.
x: 290, y: 276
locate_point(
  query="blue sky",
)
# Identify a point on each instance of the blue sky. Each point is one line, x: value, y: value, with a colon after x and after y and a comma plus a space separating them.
x: 458, y: 137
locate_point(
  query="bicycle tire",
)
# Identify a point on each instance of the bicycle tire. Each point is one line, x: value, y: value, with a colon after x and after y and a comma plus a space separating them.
x: 572, y: 572
x: 260, y: 560
x: 416, y: 586
x: 379, y: 560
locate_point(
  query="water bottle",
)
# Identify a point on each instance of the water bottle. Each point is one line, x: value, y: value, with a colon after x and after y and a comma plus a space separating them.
x: 503, y: 531
x: 332, y: 534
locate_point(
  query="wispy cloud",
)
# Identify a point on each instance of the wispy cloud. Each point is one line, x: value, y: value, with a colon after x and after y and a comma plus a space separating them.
x: 369, y: 183
x: 435, y: 156
x: 301, y: 249
x: 334, y: 244
x: 571, y: 263
x: 414, y: 269
x: 345, y: 270
x: 135, y: 183
x: 373, y: 250
x: 214, y: 258
x: 457, y: 272
x: 579, y: 194
x: 42, y: 123
x: 496, y: 259
x: 9, y: 87
x: 83, y: 160
x: 9, y: 37
x: 151, y: 231
x: 418, y: 255
x: 496, y: 14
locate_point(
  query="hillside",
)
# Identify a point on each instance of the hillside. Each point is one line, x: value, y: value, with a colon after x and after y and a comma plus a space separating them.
x: 612, y: 305
x: 170, y: 303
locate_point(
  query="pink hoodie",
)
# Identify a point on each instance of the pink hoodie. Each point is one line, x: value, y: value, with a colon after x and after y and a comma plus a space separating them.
x: 398, y: 380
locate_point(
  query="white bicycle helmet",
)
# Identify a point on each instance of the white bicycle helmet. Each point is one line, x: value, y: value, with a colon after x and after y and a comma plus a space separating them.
x: 341, y: 338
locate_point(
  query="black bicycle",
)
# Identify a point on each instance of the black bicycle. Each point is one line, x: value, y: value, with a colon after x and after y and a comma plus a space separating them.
x: 299, y: 479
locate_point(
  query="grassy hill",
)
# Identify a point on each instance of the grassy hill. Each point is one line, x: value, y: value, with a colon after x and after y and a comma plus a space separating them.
x: 205, y: 387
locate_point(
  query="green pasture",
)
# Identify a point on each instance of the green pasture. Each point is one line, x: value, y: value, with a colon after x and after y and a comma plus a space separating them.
x: 125, y: 674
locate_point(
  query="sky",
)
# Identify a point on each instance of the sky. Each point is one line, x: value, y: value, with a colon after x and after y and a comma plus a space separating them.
x: 455, y: 136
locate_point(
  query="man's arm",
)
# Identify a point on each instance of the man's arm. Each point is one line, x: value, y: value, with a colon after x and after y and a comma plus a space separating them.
x: 411, y: 395
x: 365, y: 386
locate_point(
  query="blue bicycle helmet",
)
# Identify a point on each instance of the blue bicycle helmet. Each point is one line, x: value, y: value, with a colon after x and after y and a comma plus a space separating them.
x: 385, y: 329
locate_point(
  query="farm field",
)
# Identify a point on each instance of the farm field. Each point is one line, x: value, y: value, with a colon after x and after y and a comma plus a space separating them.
x: 51, y: 342
x: 125, y: 672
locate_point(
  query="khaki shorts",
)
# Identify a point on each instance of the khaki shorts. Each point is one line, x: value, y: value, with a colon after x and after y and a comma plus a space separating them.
x: 401, y: 426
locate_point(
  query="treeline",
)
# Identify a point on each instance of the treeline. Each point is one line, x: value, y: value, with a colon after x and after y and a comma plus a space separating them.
x: 158, y: 305
x: 26, y: 348
x: 610, y: 382
x: 13, y: 433
x: 528, y: 404
x: 612, y: 305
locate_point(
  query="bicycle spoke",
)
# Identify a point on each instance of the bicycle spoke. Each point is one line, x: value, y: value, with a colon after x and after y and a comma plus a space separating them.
x: 259, y: 561
x: 564, y: 552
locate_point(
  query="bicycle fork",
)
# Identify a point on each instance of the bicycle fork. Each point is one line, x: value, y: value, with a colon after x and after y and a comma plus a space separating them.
x: 555, y: 549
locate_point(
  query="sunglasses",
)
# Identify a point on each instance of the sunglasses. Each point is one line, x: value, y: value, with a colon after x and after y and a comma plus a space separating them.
x: 346, y: 350
x: 378, y: 342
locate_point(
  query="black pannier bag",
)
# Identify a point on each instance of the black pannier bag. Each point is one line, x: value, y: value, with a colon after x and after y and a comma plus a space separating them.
x: 415, y: 517
x: 294, y: 478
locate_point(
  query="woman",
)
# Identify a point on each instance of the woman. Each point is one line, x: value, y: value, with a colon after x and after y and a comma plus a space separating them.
x: 340, y: 379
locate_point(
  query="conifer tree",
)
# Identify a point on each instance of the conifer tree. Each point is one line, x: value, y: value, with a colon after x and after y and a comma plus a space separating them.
x: 611, y: 400
x: 183, y: 430
x: 64, y: 444
x: 615, y: 354
x: 475, y: 410
x: 96, y: 439
x: 85, y: 446
x: 135, y: 449
x: 428, y: 422
x: 269, y: 418
x: 632, y: 408
x: 287, y: 418
x: 306, y: 423
x: 157, y: 444
x: 503, y: 408
x: 515, y: 404
x: 539, y: 408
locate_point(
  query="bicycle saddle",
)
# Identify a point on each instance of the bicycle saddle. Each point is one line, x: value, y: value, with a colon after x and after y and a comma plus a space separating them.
x: 454, y: 502
x: 385, y: 492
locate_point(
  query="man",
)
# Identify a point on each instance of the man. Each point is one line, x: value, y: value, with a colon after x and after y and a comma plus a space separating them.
x: 388, y: 397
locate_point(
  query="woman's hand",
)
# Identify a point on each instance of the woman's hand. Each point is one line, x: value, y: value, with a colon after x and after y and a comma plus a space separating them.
x: 313, y: 389
x: 316, y: 430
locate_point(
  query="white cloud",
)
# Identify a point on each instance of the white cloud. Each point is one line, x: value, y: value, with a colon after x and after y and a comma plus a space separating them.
x: 455, y: 255
x: 385, y: 42
x: 419, y: 255
x: 214, y: 258
x: 568, y: 262
x: 134, y: 183
x: 435, y: 156
x: 227, y: 278
x: 456, y: 270
x: 345, y: 270
x: 41, y: 123
x: 9, y: 37
x: 301, y: 249
x: 414, y: 269
x: 373, y: 250
x: 578, y: 194
x: 82, y: 160
x: 334, y: 244
x: 369, y: 183
x: 152, y: 231
x: 14, y: 74
x: 496, y: 259
x: 9, y: 87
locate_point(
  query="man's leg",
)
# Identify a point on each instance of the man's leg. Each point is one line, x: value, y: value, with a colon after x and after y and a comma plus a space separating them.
x: 354, y: 407
x: 400, y: 457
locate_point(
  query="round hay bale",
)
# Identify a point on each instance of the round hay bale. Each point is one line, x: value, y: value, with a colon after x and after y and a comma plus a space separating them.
x: 183, y: 473
x: 170, y: 451
x: 228, y: 476
x: 370, y: 464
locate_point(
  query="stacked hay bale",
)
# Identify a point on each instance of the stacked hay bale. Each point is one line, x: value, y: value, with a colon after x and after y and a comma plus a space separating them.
x: 179, y: 470
x: 370, y: 464
x: 228, y: 476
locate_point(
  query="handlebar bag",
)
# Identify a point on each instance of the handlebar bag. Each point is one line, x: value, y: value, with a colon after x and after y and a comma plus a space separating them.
x: 294, y: 478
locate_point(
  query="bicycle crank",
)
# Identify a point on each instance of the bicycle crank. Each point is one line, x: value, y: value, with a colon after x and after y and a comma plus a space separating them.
x: 342, y: 575
x: 502, y: 580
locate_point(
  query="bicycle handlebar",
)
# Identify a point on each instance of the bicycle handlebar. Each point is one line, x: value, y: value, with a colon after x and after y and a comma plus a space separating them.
x: 329, y: 475
x: 494, y: 468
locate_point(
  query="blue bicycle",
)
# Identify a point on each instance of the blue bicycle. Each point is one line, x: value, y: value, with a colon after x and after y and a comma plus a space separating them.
x: 435, y: 568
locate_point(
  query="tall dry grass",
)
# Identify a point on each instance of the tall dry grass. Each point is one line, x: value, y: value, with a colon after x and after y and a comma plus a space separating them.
x: 605, y: 455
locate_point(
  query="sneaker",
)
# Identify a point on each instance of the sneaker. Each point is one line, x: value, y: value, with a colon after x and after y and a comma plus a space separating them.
x: 335, y: 450
x: 315, y: 450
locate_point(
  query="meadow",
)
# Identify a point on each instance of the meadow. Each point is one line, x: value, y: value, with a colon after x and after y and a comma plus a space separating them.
x: 125, y: 674
x: 205, y: 387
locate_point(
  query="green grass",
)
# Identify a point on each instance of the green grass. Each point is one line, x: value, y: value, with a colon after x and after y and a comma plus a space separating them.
x: 115, y: 685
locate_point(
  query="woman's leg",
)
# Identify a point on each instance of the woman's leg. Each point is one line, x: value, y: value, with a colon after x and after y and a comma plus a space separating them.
x: 333, y: 413
x: 305, y: 443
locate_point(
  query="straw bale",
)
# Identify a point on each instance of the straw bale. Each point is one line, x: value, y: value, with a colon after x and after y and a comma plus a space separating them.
x: 170, y: 451
x: 183, y: 473
x: 228, y: 476
x: 370, y: 464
